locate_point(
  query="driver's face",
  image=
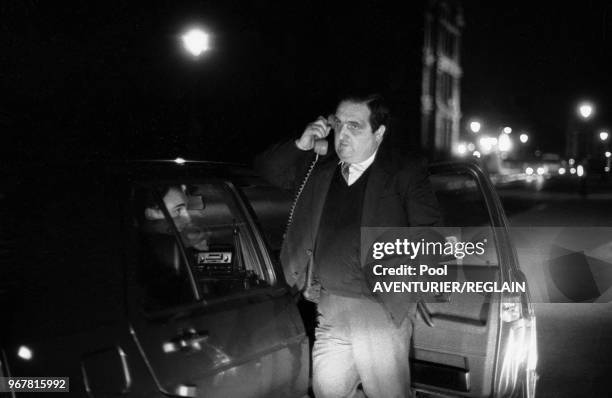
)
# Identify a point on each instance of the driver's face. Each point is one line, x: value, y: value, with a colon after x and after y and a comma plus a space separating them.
x: 176, y: 203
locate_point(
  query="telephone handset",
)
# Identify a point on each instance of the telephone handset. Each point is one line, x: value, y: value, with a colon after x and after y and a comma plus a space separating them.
x: 320, y: 146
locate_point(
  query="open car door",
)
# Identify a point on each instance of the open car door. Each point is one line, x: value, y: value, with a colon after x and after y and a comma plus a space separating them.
x: 475, y: 344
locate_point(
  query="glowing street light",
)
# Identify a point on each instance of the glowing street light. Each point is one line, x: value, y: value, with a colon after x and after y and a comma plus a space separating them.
x: 585, y: 110
x: 608, y: 154
x: 475, y: 127
x: 524, y: 138
x: 603, y: 135
x: 507, y: 130
x: 25, y: 353
x: 196, y: 41
x: 461, y: 149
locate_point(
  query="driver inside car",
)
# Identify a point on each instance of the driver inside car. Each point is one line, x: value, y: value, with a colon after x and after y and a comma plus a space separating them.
x: 175, y: 199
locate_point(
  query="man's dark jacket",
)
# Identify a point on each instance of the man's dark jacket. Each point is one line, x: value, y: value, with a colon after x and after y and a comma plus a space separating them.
x: 398, y: 194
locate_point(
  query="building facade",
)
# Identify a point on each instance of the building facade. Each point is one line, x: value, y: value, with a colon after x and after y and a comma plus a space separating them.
x: 441, y: 77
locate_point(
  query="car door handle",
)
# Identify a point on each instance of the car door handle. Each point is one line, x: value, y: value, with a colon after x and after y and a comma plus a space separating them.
x: 187, y: 340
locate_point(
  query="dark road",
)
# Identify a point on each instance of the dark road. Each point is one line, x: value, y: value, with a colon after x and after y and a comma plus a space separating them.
x: 574, y: 339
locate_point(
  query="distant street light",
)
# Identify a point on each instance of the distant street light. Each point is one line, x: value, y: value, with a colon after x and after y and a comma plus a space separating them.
x: 608, y: 154
x: 196, y: 41
x: 507, y: 130
x: 461, y: 149
x: 524, y: 138
x: 475, y: 127
x: 585, y: 110
x: 603, y: 135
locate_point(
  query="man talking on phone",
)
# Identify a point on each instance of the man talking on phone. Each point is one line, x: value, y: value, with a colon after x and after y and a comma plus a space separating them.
x: 360, y: 338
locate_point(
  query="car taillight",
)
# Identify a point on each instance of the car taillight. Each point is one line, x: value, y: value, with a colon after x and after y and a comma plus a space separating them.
x: 511, y: 311
x: 518, y: 346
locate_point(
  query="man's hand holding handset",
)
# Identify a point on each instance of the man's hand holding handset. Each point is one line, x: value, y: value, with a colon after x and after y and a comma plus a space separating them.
x: 314, y: 136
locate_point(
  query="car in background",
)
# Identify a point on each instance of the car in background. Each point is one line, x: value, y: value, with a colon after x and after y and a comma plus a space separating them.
x: 552, y: 163
x: 125, y: 304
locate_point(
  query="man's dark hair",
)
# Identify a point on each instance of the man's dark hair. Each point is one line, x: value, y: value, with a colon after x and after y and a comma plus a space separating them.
x: 379, y: 111
x: 150, y: 199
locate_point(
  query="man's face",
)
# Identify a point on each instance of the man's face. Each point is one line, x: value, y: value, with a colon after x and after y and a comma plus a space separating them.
x: 176, y: 203
x: 354, y: 139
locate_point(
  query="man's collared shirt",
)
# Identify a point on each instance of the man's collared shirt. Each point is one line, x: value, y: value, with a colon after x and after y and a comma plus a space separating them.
x: 357, y: 169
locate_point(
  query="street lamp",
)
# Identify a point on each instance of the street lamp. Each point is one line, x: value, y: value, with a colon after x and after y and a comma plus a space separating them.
x: 507, y: 130
x: 196, y: 41
x: 524, y: 138
x: 475, y: 126
x: 603, y: 135
x: 579, y: 137
x: 585, y: 110
x: 461, y: 149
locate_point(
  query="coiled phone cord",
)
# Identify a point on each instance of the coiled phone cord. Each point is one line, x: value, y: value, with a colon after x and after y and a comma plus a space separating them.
x: 299, y: 193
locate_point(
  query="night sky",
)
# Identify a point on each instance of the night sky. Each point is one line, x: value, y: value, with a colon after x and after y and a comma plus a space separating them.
x: 528, y: 64
x: 109, y: 79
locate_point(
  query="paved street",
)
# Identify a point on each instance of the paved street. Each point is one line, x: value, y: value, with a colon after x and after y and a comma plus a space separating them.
x: 574, y: 339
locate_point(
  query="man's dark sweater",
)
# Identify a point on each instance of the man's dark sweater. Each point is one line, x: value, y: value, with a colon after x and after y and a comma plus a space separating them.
x: 336, y: 259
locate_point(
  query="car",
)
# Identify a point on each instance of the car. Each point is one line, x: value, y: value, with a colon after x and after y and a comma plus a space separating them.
x: 109, y: 286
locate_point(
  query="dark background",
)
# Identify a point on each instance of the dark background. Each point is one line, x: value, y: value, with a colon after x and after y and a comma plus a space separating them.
x: 109, y: 80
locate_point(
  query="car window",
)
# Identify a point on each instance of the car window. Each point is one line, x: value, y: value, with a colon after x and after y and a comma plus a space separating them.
x: 465, y: 214
x: 199, y: 244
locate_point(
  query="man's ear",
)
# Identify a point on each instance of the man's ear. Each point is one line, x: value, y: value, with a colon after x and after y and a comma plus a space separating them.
x: 379, y: 133
x: 154, y: 214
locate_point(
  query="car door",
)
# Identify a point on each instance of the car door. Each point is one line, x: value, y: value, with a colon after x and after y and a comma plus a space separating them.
x: 474, y: 344
x: 210, y: 311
